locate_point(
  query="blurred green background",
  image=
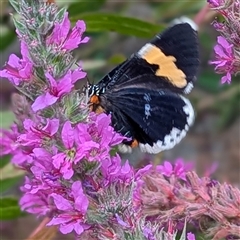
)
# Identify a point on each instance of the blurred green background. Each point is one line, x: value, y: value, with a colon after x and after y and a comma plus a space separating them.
x: 117, y: 29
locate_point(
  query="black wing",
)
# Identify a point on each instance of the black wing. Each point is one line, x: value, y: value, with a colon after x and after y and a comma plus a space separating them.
x: 157, y: 119
x: 170, y: 61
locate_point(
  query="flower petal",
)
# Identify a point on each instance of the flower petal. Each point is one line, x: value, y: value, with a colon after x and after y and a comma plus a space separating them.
x: 43, y: 101
x: 61, y: 203
x: 52, y: 126
x: 78, y: 228
x: 51, y: 80
x: 68, y: 135
x: 57, y: 221
x: 78, y: 74
x: 220, y: 51
x: 226, y: 79
x: 81, y: 203
x: 64, y: 85
x: 66, y: 228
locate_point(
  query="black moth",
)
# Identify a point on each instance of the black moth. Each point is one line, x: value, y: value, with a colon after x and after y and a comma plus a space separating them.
x: 144, y: 93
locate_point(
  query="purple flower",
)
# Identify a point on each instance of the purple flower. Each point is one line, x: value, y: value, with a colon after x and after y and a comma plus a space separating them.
x: 140, y: 183
x: 178, y: 169
x: 143, y: 171
x: 113, y: 171
x: 45, y: 176
x: 8, y: 139
x: 38, y: 133
x: 71, y: 211
x: 9, y: 145
x: 22, y: 157
x: 148, y: 233
x: 219, y: 26
x: 43, y: 181
x: 18, y: 70
x: 224, y: 59
x: 214, y: 3
x: 35, y: 203
x: 77, y: 74
x: 73, y: 153
x: 66, y: 39
x: 56, y: 89
x: 100, y: 132
x: 103, y: 132
x: 190, y: 236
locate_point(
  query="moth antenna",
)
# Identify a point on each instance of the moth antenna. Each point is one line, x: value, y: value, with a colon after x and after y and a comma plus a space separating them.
x: 88, y: 81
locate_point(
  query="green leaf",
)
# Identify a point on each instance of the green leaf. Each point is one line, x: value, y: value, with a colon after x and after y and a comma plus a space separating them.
x: 4, y: 160
x: 98, y: 22
x: 6, y: 119
x: 6, y: 39
x: 9, y: 208
x: 82, y: 6
x: 8, y: 183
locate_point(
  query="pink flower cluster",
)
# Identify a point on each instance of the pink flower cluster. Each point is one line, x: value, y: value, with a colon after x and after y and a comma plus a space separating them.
x: 166, y: 199
x: 53, y: 155
x: 227, y: 49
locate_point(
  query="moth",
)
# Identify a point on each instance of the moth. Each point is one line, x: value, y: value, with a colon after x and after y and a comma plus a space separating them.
x: 144, y: 94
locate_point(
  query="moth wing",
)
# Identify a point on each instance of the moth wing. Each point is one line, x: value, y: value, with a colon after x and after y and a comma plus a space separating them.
x: 157, y: 119
x: 181, y: 43
x: 170, y: 60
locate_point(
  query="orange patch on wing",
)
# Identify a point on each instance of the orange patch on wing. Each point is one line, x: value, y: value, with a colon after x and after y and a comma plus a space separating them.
x: 167, y: 66
x: 134, y: 143
x: 94, y: 99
